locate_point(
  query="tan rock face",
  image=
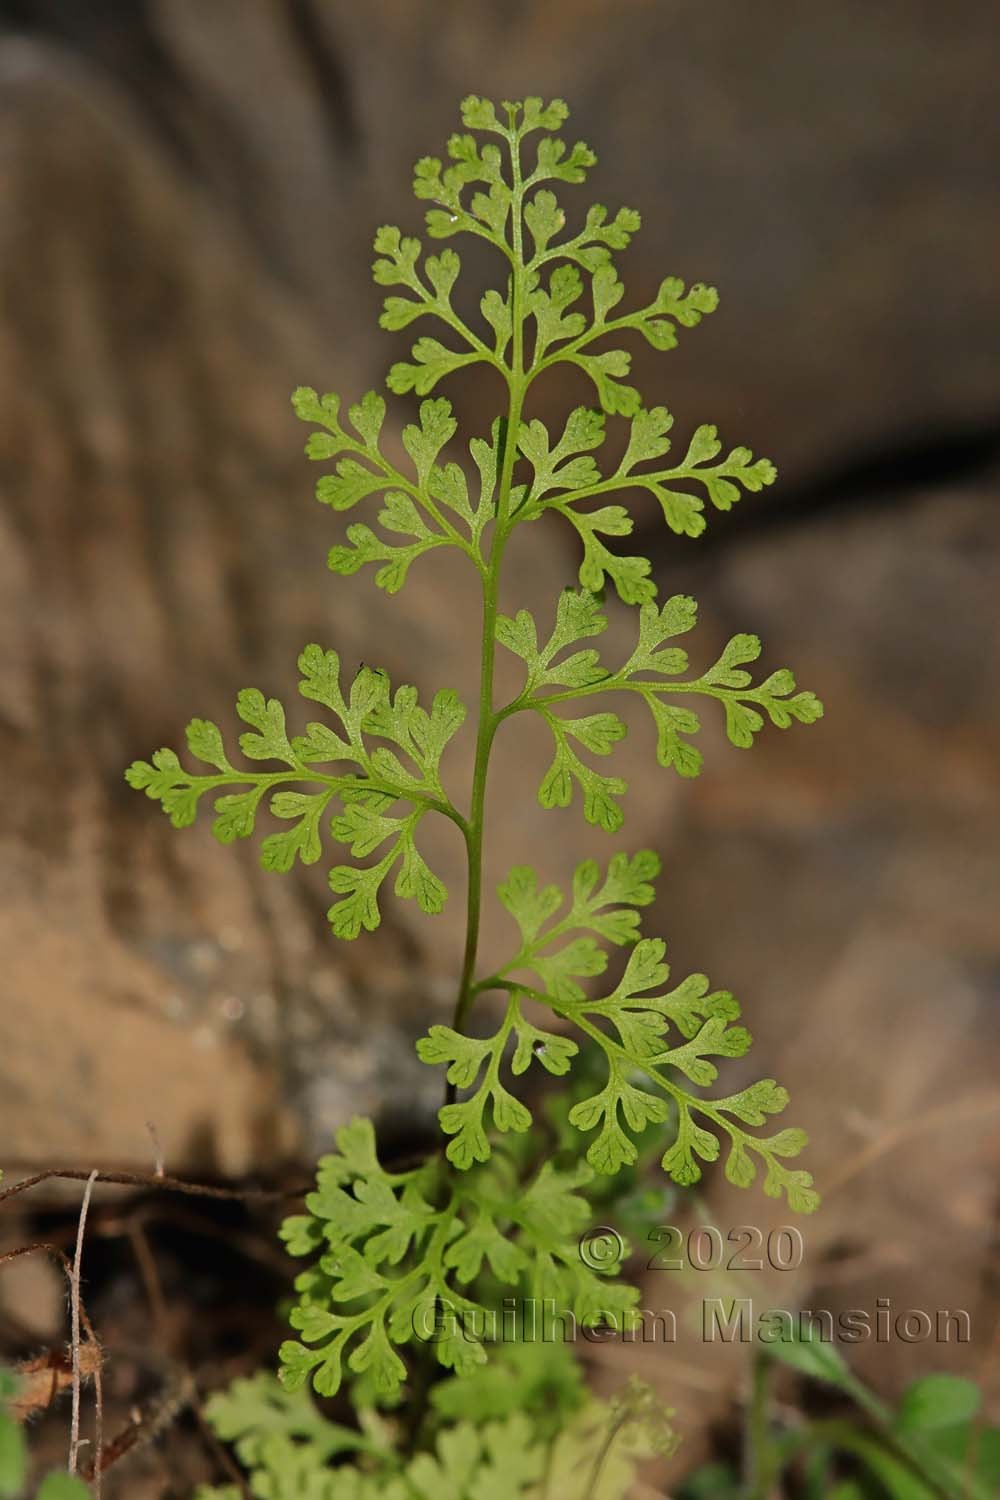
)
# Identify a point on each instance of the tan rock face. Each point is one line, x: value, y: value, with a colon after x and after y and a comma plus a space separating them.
x: 830, y: 168
x: 845, y: 885
x: 173, y: 260
x: 161, y: 550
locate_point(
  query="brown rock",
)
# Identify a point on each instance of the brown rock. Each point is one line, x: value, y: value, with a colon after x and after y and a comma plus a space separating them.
x: 844, y: 882
x: 160, y: 552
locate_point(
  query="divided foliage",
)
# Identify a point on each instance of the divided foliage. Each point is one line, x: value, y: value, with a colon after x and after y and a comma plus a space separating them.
x: 381, y: 797
x: 639, y: 1028
x: 415, y: 1256
x: 420, y: 1260
x: 590, y: 1448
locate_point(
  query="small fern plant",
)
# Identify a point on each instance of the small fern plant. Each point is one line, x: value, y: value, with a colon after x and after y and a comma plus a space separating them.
x: 415, y: 1261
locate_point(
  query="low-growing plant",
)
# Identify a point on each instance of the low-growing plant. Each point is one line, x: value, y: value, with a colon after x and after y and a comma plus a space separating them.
x: 407, y: 1269
x: 935, y: 1444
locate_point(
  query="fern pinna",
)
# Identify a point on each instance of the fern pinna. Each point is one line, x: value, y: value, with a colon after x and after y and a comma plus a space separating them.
x: 495, y: 1214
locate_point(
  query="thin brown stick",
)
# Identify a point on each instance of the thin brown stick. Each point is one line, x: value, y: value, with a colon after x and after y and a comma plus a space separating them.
x: 158, y: 1309
x: 220, y: 1453
x: 158, y: 1167
x: 74, y: 1306
x: 98, y: 1423
x: 44, y: 1248
x: 160, y: 1182
x: 180, y: 1394
x: 110, y: 1453
x: 150, y: 1281
x: 152, y: 1180
x: 252, y: 1247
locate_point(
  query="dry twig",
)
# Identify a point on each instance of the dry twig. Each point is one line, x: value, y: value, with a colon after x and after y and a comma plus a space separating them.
x: 153, y: 1180
x: 87, y: 1355
x: 74, y: 1303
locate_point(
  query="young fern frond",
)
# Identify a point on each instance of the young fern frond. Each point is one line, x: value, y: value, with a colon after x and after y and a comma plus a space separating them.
x: 656, y: 675
x: 631, y: 1027
x: 394, y: 1254
x: 374, y: 781
x: 494, y: 1451
x: 408, y: 1257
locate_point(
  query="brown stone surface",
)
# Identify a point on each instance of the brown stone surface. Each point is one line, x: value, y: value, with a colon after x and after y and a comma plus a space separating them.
x: 830, y: 168
x: 845, y: 884
x: 182, y: 244
x: 160, y: 551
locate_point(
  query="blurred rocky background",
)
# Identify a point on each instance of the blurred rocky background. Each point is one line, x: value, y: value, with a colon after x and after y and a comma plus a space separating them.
x: 187, y: 196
